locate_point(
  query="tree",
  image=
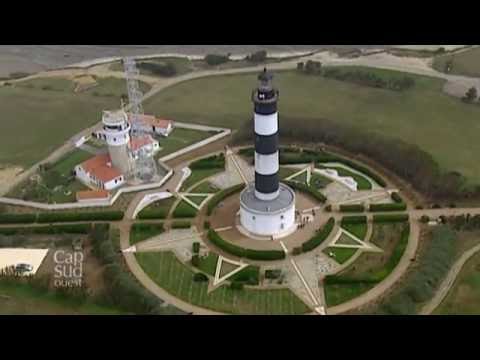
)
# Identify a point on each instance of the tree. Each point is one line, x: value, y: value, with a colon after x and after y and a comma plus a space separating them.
x: 259, y: 56
x: 214, y: 59
x: 300, y: 66
x: 471, y: 95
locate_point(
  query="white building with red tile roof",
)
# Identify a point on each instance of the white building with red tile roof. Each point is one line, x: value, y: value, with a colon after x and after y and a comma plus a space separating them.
x: 152, y: 124
x: 144, y: 143
x: 98, y: 173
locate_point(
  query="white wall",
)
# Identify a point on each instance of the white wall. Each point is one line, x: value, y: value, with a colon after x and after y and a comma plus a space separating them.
x: 267, y: 225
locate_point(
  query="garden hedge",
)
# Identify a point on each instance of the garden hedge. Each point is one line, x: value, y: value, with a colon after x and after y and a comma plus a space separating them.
x: 151, y: 214
x: 388, y: 207
x: 212, y: 162
x: 307, y: 189
x: 52, y: 229
x: 266, y: 255
x: 352, y: 208
x: 218, y: 197
x: 250, y: 275
x: 354, y: 220
x: 390, y: 218
x: 53, y: 217
x: 18, y: 218
x: 319, y: 237
x: 181, y: 225
x: 396, y: 197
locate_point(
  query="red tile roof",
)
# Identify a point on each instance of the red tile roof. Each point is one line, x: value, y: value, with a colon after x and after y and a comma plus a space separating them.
x: 151, y: 120
x: 138, y: 142
x: 92, y: 194
x: 101, y: 168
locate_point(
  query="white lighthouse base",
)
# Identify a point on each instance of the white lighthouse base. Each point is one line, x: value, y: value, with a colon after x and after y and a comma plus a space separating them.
x: 264, y: 220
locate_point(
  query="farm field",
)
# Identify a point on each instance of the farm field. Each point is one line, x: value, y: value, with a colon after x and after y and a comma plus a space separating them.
x: 464, y: 297
x: 45, y: 119
x: 464, y: 63
x: 439, y: 124
x: 177, y: 278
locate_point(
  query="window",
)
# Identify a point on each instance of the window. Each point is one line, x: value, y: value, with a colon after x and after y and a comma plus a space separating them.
x: 282, y: 217
x: 253, y: 218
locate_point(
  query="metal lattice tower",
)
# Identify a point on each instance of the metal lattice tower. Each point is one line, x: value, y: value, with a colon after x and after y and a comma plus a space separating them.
x: 145, y: 168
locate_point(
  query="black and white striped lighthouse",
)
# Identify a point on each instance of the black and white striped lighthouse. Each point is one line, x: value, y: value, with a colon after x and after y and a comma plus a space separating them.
x: 265, y: 99
x: 267, y: 207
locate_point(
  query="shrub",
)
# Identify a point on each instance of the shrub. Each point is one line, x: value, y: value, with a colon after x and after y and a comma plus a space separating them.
x: 307, y: 189
x: 196, y: 260
x: 221, y: 195
x: 200, y: 277
x: 396, y: 197
x: 273, y: 274
x: 328, y: 208
x: 352, y: 208
x: 215, y: 59
x: 390, y: 218
x: 388, y: 207
x: 53, y: 217
x: 319, y: 237
x: 354, y: 220
x: 181, y: 224
x: 206, y: 225
x: 17, y: 218
x: 196, y: 247
x: 259, y: 56
x: 162, y: 69
x: 425, y: 219
x: 297, y: 250
x: 242, y: 252
x: 250, y: 275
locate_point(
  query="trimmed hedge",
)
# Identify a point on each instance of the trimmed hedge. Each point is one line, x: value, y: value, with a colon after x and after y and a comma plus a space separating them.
x: 388, y: 207
x: 319, y: 237
x: 354, y: 220
x: 352, y: 208
x: 249, y: 276
x: 266, y: 255
x: 181, y: 225
x: 46, y: 230
x: 218, y: 197
x: 396, y: 197
x: 390, y: 218
x: 85, y: 216
x: 212, y: 162
x: 307, y: 189
x: 18, y: 218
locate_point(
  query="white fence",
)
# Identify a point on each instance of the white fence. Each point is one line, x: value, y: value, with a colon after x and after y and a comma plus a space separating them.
x: 85, y: 204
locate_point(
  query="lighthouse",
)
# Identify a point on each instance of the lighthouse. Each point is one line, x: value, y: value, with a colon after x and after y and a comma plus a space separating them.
x: 267, y: 207
x: 116, y: 131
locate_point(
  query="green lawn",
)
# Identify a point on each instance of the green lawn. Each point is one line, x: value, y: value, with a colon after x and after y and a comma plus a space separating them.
x: 370, y: 268
x: 180, y: 138
x: 318, y: 181
x: 140, y: 232
x: 184, y: 210
x: 440, y: 124
x: 157, y: 210
x: 208, y: 264
x: 464, y: 297
x: 359, y: 230
x: 285, y: 172
x: 66, y: 164
x: 205, y: 187
x: 40, y: 121
x: 23, y: 299
x: 196, y: 199
x: 465, y: 63
x: 198, y: 175
x: 341, y: 255
x: 362, y: 182
x: 177, y: 278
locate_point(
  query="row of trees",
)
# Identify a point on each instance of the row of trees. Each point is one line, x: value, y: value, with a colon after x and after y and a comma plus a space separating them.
x: 219, y: 59
x: 361, y: 77
x: 405, y: 160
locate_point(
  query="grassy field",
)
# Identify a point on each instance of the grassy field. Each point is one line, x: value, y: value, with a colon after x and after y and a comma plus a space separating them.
x: 23, y: 299
x: 158, y: 210
x: 340, y: 255
x: 184, y: 210
x: 176, y: 278
x: 424, y: 115
x: 45, y: 119
x: 140, y: 232
x: 205, y: 187
x: 208, y: 264
x: 465, y: 63
x: 180, y: 138
x: 359, y: 230
x: 198, y: 175
x: 464, y: 297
